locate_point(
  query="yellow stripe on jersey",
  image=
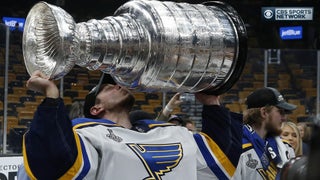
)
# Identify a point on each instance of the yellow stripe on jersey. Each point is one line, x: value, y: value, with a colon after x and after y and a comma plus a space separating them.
x: 246, y: 145
x: 219, y: 154
x: 25, y: 160
x: 285, y: 141
x: 69, y: 174
x: 78, y: 163
x: 160, y: 125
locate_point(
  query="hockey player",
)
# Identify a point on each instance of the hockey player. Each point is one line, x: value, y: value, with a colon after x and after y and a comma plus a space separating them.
x: 108, y: 146
x: 264, y: 153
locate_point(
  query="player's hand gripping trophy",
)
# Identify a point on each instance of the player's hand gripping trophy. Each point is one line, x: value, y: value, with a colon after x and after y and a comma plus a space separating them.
x: 146, y: 45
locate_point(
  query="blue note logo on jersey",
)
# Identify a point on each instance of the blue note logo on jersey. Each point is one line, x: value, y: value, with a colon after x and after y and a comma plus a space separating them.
x: 158, y: 158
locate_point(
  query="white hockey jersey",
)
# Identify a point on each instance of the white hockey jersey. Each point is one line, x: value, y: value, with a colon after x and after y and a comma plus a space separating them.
x: 151, y: 155
x: 250, y: 165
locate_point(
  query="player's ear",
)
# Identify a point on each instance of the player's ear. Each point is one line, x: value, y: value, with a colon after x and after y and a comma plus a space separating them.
x: 263, y: 112
x: 96, y: 110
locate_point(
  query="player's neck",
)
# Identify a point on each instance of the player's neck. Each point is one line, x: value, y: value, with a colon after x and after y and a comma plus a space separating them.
x: 121, y: 119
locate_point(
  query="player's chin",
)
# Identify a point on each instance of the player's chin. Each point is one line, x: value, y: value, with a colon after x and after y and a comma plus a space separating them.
x: 125, y: 91
x: 127, y: 101
x: 277, y: 132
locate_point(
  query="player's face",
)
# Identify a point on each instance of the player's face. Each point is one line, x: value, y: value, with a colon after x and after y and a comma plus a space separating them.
x: 274, y: 120
x: 115, y: 96
x: 290, y: 135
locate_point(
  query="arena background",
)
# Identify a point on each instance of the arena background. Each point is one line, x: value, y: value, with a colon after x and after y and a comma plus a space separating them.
x: 288, y: 65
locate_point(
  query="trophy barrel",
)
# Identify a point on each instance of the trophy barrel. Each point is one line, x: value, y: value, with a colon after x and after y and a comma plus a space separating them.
x: 146, y: 46
x: 241, y: 55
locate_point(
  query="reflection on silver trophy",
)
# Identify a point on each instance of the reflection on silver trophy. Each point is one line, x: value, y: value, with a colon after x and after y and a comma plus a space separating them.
x: 145, y: 45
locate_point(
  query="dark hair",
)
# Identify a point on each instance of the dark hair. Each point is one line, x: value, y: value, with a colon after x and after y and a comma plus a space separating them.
x: 253, y: 116
x: 137, y: 115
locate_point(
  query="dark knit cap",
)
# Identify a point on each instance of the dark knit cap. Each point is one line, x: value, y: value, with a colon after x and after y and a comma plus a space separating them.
x: 90, y: 99
x: 268, y: 96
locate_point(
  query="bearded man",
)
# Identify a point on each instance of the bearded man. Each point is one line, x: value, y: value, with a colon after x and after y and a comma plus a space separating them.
x: 263, y: 152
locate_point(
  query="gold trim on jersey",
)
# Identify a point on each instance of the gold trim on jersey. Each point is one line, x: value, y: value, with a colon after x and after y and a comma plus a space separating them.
x: 25, y: 160
x: 219, y: 154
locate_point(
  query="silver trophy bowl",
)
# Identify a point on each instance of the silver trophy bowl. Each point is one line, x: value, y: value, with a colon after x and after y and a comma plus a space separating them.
x: 146, y: 45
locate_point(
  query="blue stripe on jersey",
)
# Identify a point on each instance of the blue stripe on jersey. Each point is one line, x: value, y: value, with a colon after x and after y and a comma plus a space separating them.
x: 86, y: 120
x: 208, y: 158
x: 86, y: 162
x: 151, y: 122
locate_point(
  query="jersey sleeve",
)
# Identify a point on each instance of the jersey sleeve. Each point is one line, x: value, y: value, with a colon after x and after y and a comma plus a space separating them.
x: 225, y: 129
x: 49, y: 147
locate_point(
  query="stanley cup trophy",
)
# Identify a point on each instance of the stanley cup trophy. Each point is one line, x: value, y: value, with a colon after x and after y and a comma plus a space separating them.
x: 146, y: 45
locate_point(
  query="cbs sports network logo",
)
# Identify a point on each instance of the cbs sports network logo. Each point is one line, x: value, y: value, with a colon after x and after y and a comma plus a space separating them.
x: 287, y: 13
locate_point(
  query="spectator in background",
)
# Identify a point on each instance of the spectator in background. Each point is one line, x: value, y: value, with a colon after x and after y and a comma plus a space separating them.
x: 177, y: 120
x: 165, y: 114
x: 303, y: 129
x: 305, y: 167
x: 190, y: 125
x: 290, y: 132
x: 305, y: 136
x: 174, y: 102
